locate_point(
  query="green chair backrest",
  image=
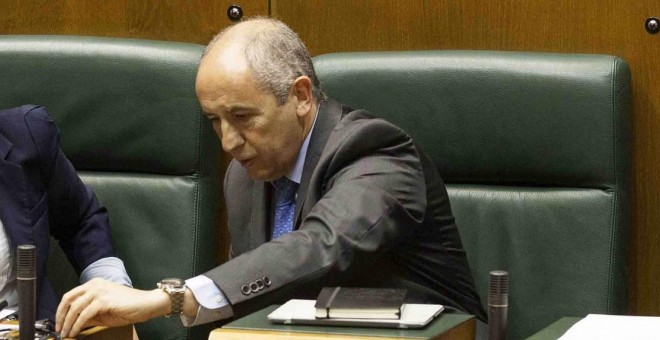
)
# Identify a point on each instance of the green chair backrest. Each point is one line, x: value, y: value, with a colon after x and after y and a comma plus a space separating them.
x: 535, y: 149
x: 131, y: 124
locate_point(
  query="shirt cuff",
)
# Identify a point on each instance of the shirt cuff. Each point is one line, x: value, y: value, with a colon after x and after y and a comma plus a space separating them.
x: 213, y: 304
x: 109, y: 268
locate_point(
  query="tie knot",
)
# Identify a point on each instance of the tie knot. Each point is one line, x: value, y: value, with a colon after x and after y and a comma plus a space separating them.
x: 285, y: 191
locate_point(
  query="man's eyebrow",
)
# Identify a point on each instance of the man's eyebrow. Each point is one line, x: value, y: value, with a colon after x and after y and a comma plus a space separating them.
x: 231, y: 109
x: 236, y: 108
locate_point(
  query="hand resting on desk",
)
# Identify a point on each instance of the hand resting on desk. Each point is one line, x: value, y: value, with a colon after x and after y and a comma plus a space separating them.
x: 101, y: 302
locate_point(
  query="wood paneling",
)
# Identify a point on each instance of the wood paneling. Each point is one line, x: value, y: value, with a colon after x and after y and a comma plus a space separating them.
x: 177, y: 20
x: 613, y: 27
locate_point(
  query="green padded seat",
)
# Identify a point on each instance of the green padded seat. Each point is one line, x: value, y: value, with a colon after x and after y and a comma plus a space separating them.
x: 535, y: 149
x: 131, y: 125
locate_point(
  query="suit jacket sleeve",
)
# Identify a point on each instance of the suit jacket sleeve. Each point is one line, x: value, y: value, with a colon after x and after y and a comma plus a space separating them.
x: 366, y: 193
x: 76, y: 219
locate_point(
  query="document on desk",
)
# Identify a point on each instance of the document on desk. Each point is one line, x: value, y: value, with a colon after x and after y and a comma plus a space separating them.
x: 598, y: 326
x: 303, y: 312
x: 7, y: 312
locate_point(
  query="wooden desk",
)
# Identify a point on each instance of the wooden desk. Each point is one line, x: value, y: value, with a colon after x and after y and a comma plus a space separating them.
x: 106, y: 333
x: 256, y: 326
x: 97, y: 333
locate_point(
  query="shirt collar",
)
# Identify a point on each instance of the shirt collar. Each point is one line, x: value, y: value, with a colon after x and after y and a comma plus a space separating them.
x: 296, y: 173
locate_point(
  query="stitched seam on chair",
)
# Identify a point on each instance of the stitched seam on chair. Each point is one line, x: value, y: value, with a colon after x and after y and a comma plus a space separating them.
x: 196, y: 180
x: 612, y: 261
x: 196, y: 200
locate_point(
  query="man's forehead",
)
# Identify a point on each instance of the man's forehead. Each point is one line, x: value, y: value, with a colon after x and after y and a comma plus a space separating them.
x: 226, y: 55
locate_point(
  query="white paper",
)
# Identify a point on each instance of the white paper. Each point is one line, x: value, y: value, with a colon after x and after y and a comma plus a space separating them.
x: 604, y: 327
x: 6, y: 312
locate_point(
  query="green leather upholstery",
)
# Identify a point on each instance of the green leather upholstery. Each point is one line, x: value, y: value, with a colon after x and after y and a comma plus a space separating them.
x: 130, y: 123
x: 536, y: 151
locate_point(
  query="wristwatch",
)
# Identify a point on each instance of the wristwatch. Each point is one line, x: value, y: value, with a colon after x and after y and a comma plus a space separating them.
x: 175, y: 288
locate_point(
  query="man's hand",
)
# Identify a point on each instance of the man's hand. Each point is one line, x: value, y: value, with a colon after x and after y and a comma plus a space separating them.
x: 101, y: 302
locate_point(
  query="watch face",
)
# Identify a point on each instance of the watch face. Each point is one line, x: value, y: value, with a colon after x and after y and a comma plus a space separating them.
x: 171, y: 281
x: 176, y: 289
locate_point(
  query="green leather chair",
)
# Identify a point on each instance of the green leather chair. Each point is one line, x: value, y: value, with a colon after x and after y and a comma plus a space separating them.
x: 131, y: 125
x: 536, y: 152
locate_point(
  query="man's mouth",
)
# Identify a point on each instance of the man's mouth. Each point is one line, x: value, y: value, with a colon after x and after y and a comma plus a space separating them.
x: 245, y: 162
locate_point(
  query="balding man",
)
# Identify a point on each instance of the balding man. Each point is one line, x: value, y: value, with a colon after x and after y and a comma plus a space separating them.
x: 318, y: 194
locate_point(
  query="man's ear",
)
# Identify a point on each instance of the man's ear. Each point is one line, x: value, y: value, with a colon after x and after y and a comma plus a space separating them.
x: 302, y: 90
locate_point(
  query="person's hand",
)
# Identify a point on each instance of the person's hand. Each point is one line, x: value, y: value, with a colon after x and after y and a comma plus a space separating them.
x: 101, y: 302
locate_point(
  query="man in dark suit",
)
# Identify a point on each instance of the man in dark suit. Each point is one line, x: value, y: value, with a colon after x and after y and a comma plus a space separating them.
x: 318, y: 194
x: 41, y: 195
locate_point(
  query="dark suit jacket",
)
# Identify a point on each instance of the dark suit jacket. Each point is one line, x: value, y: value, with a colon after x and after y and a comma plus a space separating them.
x: 41, y: 195
x: 371, y: 211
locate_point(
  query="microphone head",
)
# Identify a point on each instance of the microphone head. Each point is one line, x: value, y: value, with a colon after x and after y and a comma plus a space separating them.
x: 498, y: 288
x: 26, y: 255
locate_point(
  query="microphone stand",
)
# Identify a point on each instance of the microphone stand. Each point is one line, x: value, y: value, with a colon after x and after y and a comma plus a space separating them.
x: 27, y: 290
x: 498, y: 304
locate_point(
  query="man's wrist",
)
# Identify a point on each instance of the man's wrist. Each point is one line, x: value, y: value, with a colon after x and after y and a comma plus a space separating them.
x: 162, y: 302
x: 176, y: 289
x: 190, y: 304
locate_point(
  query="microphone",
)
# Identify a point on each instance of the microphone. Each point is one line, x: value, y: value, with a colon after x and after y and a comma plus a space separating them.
x: 27, y: 290
x: 498, y: 304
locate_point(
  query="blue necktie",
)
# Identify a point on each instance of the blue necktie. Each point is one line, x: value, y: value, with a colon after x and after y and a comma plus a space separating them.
x: 285, y: 206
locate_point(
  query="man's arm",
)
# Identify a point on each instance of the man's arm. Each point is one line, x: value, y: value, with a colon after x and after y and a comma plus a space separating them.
x: 101, y: 302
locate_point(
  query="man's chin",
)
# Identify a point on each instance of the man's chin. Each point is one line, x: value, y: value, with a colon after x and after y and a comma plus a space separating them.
x: 260, y: 175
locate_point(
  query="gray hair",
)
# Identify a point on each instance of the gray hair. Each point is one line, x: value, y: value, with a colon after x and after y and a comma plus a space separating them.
x: 276, y: 56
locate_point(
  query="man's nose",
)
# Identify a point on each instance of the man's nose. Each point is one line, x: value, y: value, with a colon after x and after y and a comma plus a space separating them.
x: 231, y: 139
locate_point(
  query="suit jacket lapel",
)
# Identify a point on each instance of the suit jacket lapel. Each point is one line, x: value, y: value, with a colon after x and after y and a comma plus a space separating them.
x: 329, y: 115
x: 13, y: 213
x: 5, y: 147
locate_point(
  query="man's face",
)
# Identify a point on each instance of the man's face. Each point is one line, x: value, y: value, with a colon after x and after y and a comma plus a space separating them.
x: 264, y: 137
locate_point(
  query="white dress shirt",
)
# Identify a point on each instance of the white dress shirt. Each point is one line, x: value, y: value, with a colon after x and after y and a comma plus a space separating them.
x: 7, y: 273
